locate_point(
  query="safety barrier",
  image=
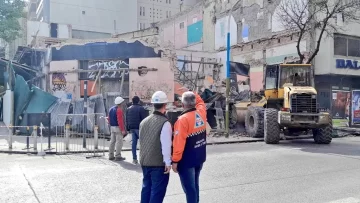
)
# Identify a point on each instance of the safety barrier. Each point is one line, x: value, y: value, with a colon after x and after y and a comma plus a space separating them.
x: 82, y: 134
x: 31, y: 142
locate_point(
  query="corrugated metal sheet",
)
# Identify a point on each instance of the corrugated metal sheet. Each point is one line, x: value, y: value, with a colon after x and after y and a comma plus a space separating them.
x: 60, y: 107
x: 95, y: 105
x: 78, y: 108
x: 100, y: 118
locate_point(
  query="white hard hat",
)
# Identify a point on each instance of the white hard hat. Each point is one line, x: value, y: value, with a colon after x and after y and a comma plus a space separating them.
x: 159, y: 97
x: 118, y: 100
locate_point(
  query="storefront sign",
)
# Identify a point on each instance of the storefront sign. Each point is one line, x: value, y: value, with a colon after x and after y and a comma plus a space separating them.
x: 351, y: 64
x: 355, y: 116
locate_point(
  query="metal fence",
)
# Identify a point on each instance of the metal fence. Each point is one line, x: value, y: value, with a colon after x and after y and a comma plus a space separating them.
x: 82, y: 133
x: 85, y: 134
x: 32, y: 141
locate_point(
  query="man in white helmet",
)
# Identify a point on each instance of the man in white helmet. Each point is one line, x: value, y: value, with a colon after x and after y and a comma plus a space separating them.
x: 117, y: 128
x: 155, y: 135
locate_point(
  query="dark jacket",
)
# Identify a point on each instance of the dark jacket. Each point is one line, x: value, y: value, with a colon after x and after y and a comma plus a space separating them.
x: 134, y: 115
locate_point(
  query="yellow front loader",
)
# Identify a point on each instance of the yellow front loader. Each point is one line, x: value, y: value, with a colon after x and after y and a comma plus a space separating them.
x: 289, y: 105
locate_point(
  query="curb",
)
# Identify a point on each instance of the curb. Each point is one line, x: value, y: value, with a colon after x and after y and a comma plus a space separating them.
x: 126, y: 150
x: 235, y: 142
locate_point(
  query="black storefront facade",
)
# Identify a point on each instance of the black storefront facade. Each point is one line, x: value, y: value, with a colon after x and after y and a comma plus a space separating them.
x: 339, y: 92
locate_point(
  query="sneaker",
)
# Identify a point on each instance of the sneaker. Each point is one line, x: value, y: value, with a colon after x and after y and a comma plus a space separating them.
x: 119, y: 158
x: 135, y: 161
x: 111, y: 158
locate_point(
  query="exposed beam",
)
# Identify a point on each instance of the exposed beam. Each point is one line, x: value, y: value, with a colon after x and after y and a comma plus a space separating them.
x: 202, y: 62
x: 102, y: 70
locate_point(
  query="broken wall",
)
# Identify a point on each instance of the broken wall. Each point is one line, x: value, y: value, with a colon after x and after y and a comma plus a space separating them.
x: 184, y: 29
x: 207, y: 75
x: 270, y: 52
x: 221, y: 29
x: 255, y: 19
x: 145, y: 83
x: 65, y: 86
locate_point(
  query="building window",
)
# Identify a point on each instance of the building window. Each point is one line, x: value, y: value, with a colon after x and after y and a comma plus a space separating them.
x: 141, y: 26
x: 222, y: 29
x: 346, y: 46
x: 142, y: 11
x: 181, y: 25
x: 169, y: 1
x: 167, y: 14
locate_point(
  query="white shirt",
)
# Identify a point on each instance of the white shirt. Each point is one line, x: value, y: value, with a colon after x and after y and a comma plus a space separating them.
x: 166, y: 142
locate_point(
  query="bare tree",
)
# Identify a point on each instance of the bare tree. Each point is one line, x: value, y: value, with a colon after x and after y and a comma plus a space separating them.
x: 306, y: 17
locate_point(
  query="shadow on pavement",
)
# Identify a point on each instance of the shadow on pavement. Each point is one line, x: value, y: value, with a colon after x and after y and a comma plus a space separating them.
x: 102, y: 160
x: 129, y: 166
x: 337, y: 146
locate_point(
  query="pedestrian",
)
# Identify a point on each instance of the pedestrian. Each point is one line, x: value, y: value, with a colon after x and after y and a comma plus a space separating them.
x: 134, y: 115
x: 155, y: 137
x: 189, y: 144
x: 117, y: 130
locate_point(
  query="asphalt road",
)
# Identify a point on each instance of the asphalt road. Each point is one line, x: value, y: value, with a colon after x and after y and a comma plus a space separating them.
x: 294, y: 171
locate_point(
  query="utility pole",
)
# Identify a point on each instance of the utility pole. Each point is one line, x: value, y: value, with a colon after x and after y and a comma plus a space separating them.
x: 11, y: 74
x: 264, y: 66
x: 85, y: 112
x: 228, y: 44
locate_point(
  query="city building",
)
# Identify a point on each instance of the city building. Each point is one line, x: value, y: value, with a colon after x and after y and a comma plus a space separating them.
x: 89, y: 19
x: 153, y: 11
x: 259, y: 39
x: 93, y: 19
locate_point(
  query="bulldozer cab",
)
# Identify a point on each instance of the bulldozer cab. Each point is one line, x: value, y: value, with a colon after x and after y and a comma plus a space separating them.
x: 279, y: 76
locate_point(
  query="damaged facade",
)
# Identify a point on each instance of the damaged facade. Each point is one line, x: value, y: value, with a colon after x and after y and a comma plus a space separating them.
x: 258, y: 38
x: 191, y: 45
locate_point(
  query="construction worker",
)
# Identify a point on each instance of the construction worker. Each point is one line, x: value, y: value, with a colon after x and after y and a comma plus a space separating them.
x: 134, y: 115
x: 155, y: 137
x: 189, y: 144
x: 117, y: 130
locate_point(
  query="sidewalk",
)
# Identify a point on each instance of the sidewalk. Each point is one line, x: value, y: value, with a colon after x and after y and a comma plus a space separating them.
x: 344, y: 131
x: 76, y: 144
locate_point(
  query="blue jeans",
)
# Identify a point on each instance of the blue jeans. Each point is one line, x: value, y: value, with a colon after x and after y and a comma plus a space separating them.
x: 154, y: 184
x: 189, y: 178
x: 135, y: 138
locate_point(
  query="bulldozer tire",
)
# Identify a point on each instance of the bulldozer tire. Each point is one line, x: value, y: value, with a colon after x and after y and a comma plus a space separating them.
x: 271, y: 127
x: 254, y: 122
x: 323, y: 135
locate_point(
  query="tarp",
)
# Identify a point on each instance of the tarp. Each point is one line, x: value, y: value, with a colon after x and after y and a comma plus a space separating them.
x: 28, y: 100
x: 22, y: 95
x: 239, y: 68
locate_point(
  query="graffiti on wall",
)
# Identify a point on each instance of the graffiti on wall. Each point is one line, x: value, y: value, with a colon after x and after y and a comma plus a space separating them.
x: 60, y: 86
x: 110, y: 67
x: 144, y: 83
x: 58, y: 82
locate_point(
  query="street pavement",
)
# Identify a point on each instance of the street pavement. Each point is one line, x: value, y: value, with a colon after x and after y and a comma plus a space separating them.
x: 296, y: 171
